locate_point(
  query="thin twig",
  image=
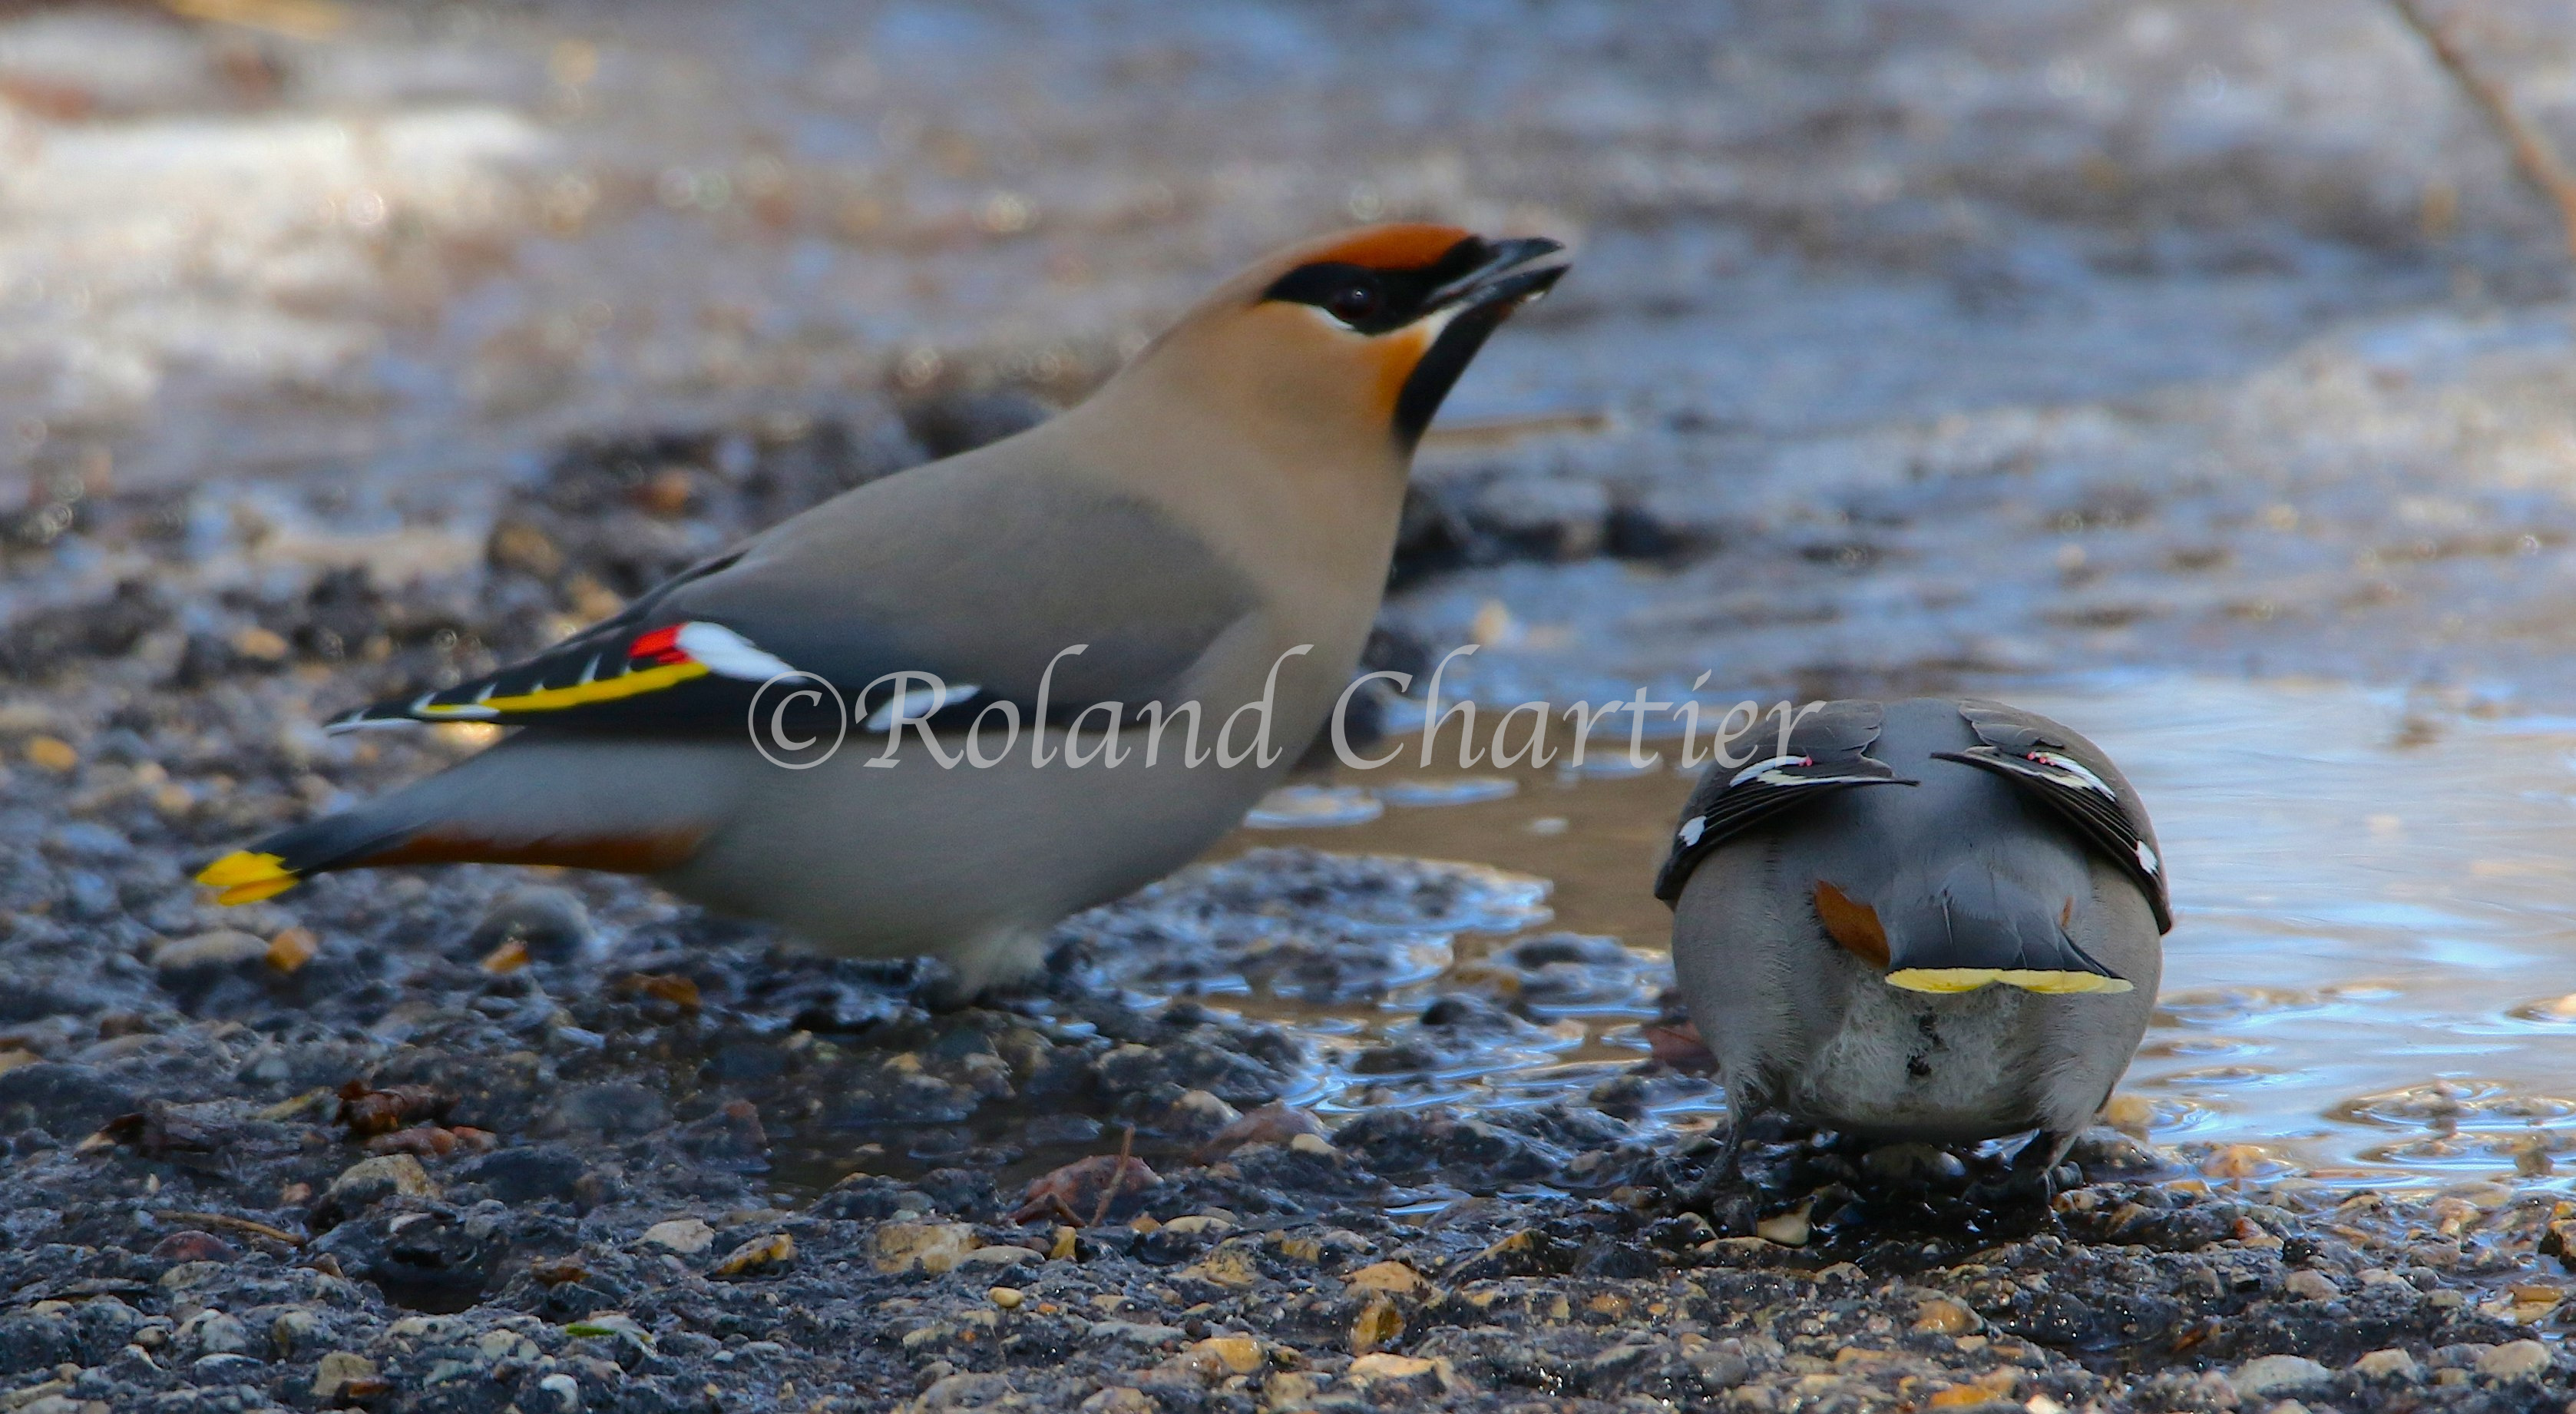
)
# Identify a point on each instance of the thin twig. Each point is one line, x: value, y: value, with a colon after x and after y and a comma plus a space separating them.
x: 2534, y: 156
x: 255, y: 1229
x: 1118, y: 1177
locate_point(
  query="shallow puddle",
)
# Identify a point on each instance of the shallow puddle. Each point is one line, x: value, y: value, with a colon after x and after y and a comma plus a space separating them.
x: 2372, y: 977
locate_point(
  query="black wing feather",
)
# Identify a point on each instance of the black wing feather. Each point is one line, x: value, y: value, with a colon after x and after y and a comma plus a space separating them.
x: 1828, y: 752
x: 2051, y: 763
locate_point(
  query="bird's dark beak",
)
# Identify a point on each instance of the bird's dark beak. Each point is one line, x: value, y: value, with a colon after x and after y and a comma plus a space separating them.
x: 1513, y: 272
x: 1509, y: 274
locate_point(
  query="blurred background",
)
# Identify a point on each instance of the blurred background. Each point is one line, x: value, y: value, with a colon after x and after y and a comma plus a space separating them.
x: 2202, y: 372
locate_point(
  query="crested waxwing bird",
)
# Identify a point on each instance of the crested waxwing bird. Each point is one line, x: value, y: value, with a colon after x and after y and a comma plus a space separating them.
x: 1971, y: 954
x: 1170, y: 583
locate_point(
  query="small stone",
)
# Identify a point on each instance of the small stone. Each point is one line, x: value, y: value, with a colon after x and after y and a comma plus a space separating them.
x: 761, y: 1256
x: 1007, y: 1297
x: 1786, y: 1229
x: 2276, y: 1375
x: 1379, y: 1324
x: 340, y: 1369
x: 1939, y: 1315
x: 216, y: 1333
x: 51, y: 753
x: 290, y: 950
x: 1000, y: 1255
x: 686, y: 1236
x: 1198, y: 1114
x: 368, y: 1182
x: 2391, y: 1364
x: 1394, y: 1278
x: 2311, y: 1286
x: 930, y: 1247
x: 2514, y: 1361
x: 192, y: 1246
x: 1314, y: 1146
x: 294, y: 1330
x: 261, y: 645
x: 1385, y: 1374
x: 219, y: 949
x: 1120, y: 1399
x: 1240, y: 1354
x: 1196, y: 1223
x: 1921, y: 1164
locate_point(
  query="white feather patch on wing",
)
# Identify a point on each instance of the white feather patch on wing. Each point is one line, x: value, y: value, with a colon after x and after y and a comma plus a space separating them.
x: 918, y: 703
x: 728, y: 654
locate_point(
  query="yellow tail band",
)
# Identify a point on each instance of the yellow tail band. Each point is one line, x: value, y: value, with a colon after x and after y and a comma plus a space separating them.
x: 1969, y: 979
x: 245, y: 877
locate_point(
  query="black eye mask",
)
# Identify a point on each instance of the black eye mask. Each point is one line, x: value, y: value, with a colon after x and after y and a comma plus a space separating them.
x: 1483, y: 280
x: 1378, y: 301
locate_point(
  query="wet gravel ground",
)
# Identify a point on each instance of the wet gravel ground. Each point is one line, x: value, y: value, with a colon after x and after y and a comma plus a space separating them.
x: 476, y: 1139
x: 1972, y: 339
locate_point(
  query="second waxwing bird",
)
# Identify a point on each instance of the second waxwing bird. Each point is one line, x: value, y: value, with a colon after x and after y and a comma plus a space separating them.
x: 1933, y: 921
x: 1213, y: 526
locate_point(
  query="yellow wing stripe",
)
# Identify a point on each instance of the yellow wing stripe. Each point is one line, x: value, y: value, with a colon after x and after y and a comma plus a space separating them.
x: 245, y: 877
x: 1969, y: 979
x: 582, y: 694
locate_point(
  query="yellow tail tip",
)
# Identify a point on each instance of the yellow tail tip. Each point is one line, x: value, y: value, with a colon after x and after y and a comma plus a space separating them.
x: 245, y: 877
x: 1969, y: 979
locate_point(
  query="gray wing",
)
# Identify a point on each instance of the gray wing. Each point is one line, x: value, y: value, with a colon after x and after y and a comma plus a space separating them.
x: 2052, y: 764
x: 980, y: 576
x: 1828, y: 752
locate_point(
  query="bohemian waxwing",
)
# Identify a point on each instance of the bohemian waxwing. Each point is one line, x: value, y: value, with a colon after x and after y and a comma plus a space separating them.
x: 1212, y: 527
x: 1932, y: 921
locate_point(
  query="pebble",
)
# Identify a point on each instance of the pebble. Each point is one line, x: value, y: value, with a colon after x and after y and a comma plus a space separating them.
x: 771, y: 1253
x: 338, y: 1370
x: 368, y: 1182
x: 1392, y: 1277
x: 2514, y: 1361
x: 218, y: 949
x: 2311, y: 1286
x: 930, y: 1247
x: 2276, y: 1374
x: 686, y: 1236
x: 2388, y: 1365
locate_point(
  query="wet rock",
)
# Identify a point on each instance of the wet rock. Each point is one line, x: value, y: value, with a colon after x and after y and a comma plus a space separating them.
x: 2277, y: 1376
x: 769, y: 1255
x: 612, y: 1110
x: 338, y: 1370
x: 927, y: 1247
x: 429, y: 1258
x: 2515, y: 1362
x: 192, y: 1246
x: 526, y: 1175
x: 44, y: 642
x: 368, y: 1182
x: 686, y: 1236
x: 65, y: 1100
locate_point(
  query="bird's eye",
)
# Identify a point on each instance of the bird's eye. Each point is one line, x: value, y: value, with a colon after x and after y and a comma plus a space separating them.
x: 1354, y: 302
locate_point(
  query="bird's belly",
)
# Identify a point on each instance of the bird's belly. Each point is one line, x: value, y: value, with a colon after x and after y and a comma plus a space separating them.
x: 1905, y: 1065
x: 916, y: 859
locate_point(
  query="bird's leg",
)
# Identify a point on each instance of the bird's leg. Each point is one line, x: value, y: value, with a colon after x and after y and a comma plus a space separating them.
x: 2032, y: 1177
x: 1734, y: 1203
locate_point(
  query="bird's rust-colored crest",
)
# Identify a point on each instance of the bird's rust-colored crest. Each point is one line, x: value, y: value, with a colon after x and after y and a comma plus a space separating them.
x: 1409, y: 246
